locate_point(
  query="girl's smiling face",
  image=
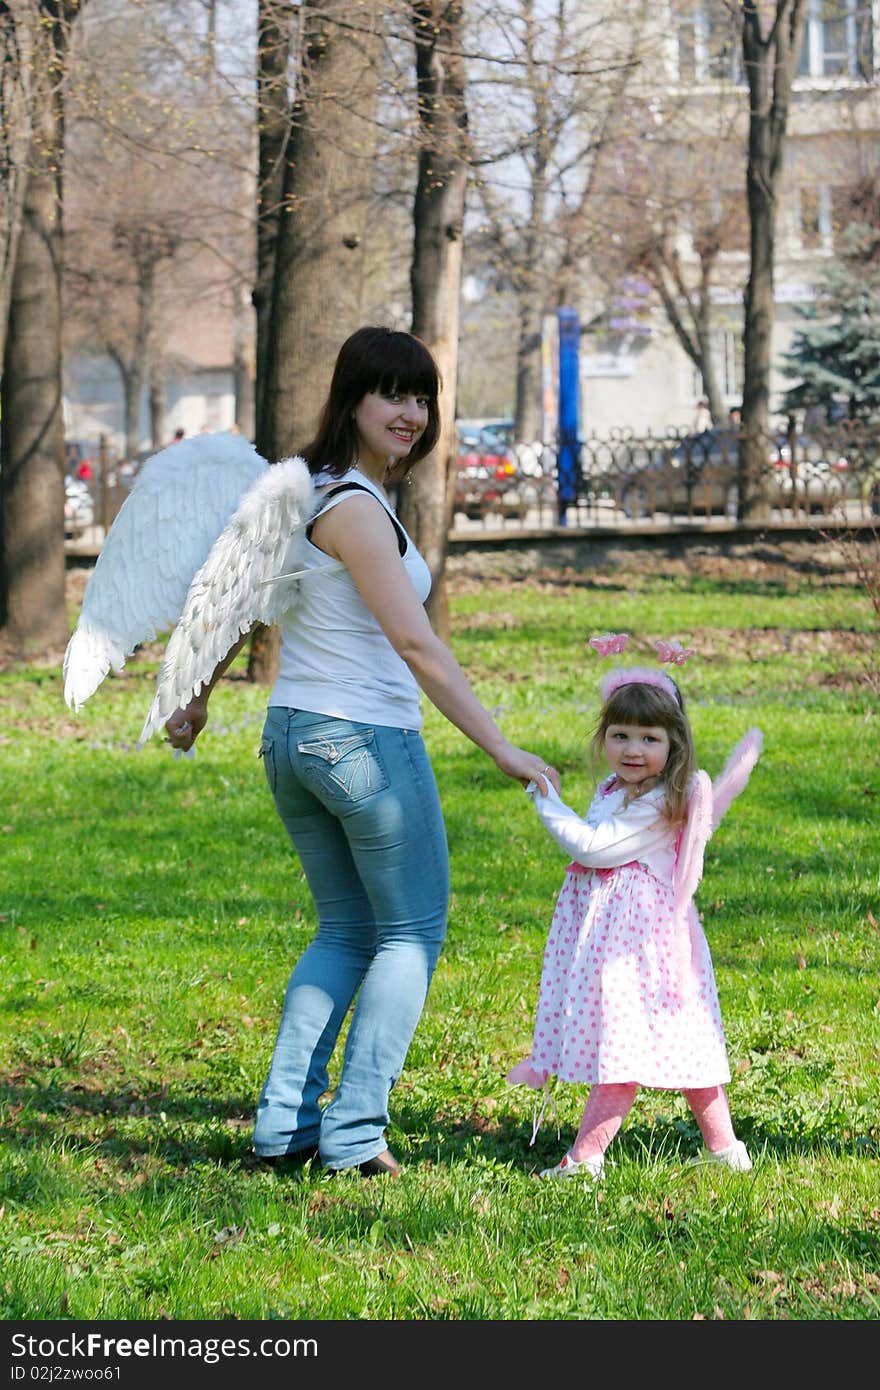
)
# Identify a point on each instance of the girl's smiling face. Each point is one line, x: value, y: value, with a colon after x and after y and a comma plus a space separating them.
x: 636, y: 752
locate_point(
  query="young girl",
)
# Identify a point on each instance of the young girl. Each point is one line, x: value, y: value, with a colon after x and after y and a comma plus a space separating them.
x: 628, y: 994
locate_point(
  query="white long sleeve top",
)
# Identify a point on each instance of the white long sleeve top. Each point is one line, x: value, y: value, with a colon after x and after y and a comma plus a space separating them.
x: 611, y: 833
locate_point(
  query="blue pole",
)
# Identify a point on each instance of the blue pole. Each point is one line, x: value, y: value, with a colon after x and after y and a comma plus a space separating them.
x: 569, y: 391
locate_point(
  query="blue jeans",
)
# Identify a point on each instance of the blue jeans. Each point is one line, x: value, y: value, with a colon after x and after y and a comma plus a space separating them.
x: 360, y: 805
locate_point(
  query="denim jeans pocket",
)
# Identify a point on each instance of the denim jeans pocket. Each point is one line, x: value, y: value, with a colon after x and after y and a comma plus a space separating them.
x: 267, y: 753
x: 344, y: 766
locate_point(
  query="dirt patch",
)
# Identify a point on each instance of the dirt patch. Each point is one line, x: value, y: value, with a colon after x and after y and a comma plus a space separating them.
x: 605, y: 564
x: 558, y: 564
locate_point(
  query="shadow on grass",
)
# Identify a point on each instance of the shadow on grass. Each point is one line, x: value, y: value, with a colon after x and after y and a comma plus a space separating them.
x: 185, y: 1131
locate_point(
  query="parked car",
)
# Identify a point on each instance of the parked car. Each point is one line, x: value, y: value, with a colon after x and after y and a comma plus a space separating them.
x: 488, y: 477
x: 79, y: 508
x: 699, y: 476
x: 817, y: 480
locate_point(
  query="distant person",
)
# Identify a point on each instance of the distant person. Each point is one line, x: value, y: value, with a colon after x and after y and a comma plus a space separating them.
x: 84, y: 471
x: 735, y: 419
x: 702, y: 416
x: 628, y: 995
x: 178, y: 435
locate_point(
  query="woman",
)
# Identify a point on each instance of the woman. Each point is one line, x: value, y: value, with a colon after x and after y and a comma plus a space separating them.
x: 347, y: 767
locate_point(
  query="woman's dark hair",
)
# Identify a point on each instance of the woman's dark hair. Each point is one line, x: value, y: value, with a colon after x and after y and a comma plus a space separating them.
x: 650, y: 706
x: 373, y: 359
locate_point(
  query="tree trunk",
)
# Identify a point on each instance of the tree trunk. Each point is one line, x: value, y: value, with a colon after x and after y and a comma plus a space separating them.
x: 425, y: 506
x: 16, y: 68
x: 243, y: 366
x: 529, y: 367
x: 318, y: 259
x: 318, y: 266
x: 276, y: 38
x: 33, y: 607
x: 157, y: 406
x: 130, y: 376
x: 771, y: 46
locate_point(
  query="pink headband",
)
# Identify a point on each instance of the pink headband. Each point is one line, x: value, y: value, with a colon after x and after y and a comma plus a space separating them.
x: 613, y: 643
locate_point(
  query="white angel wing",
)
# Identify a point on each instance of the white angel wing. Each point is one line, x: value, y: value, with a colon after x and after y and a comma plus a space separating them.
x: 179, y: 504
x: 232, y: 590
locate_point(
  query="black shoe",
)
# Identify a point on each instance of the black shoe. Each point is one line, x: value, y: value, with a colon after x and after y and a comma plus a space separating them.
x: 296, y: 1158
x: 383, y: 1163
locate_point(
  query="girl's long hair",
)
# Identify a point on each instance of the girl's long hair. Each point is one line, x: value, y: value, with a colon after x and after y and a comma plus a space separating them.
x: 373, y: 359
x: 646, y: 705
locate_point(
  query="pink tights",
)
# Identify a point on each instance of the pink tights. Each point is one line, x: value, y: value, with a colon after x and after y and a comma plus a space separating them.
x: 609, y: 1104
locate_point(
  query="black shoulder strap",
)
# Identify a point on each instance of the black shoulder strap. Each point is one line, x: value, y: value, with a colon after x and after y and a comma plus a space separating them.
x: 357, y: 487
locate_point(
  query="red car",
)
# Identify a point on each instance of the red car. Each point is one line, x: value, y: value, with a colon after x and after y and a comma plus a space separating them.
x: 488, y: 479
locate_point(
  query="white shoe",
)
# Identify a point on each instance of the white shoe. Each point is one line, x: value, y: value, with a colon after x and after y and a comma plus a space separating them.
x: 736, y: 1158
x: 590, y: 1168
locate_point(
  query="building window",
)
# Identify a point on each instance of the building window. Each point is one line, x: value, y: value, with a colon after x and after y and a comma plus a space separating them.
x: 822, y: 212
x: 731, y: 211
x: 727, y: 352
x: 813, y: 217
x: 838, y: 40
x: 732, y: 374
x: 709, y: 48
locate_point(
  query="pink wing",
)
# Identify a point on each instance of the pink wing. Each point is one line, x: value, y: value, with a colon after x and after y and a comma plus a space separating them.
x: 692, y: 844
x: 737, y: 770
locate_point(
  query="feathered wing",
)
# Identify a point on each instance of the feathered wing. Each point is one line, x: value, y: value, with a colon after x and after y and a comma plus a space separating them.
x: 735, y: 773
x: 179, y: 504
x: 688, y: 872
x: 233, y: 589
x: 692, y: 843
x: 708, y: 804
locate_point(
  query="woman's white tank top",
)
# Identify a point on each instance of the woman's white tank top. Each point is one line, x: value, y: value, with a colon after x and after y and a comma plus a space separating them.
x: 335, y: 658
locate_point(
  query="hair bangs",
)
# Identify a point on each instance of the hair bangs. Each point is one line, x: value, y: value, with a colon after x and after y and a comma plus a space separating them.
x: 637, y: 703
x: 408, y: 369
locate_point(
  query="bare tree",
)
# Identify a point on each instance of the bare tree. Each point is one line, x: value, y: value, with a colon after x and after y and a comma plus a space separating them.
x: 18, y: 28
x: 144, y: 248
x: 669, y: 209
x: 543, y: 88
x: 277, y: 37
x: 318, y: 263
x: 159, y: 202
x: 311, y: 250
x: 32, y: 601
x: 771, y: 35
x: 426, y: 505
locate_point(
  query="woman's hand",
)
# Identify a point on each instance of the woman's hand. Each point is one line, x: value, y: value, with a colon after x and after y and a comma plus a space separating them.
x: 527, y: 767
x: 184, y: 725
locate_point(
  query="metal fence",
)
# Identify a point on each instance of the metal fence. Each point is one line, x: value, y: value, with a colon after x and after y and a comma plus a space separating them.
x: 625, y: 479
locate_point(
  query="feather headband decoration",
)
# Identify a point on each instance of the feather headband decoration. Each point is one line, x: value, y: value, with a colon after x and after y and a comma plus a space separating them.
x: 670, y: 652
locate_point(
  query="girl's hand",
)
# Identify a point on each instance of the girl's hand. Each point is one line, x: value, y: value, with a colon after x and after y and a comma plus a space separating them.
x: 184, y: 725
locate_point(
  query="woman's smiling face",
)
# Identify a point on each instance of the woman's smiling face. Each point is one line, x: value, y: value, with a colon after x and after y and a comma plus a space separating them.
x: 388, y: 424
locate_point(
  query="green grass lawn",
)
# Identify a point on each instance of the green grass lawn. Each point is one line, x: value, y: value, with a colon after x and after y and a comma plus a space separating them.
x: 150, y: 912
